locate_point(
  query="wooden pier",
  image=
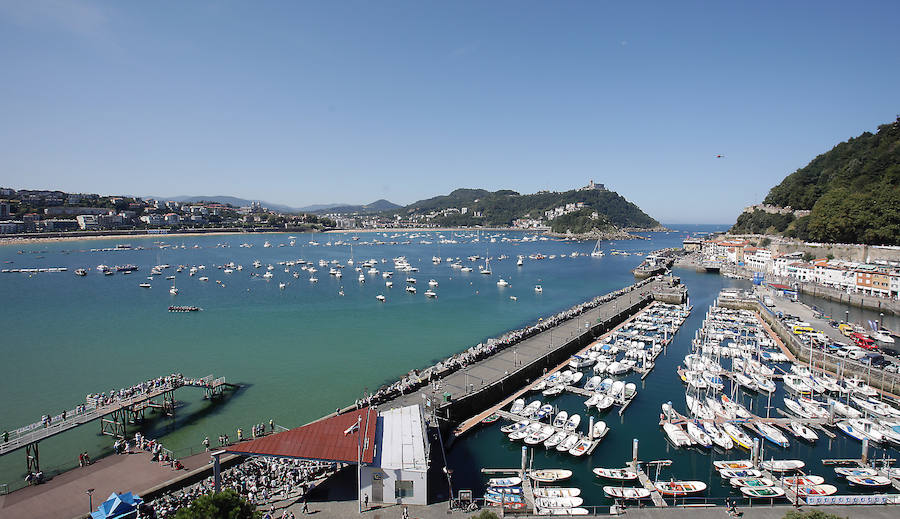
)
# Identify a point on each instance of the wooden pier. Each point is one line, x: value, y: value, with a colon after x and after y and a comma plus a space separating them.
x: 113, y: 417
x: 655, y: 496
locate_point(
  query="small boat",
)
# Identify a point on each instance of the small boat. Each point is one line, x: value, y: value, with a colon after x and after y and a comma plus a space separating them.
x: 605, y: 403
x: 539, y: 289
x: 502, y: 283
x: 869, y: 481
x: 411, y: 289
x: 549, y: 475
x: 80, y: 272
x: 553, y: 390
x: 504, y: 482
x: 680, y: 488
x: 558, y: 502
x: 783, y: 465
x: 626, y: 492
x: 555, y: 440
x: 740, y: 437
x: 698, y: 435
x: 567, y: 444
x: 801, y: 431
x: 794, y: 481
x: 517, y: 406
x: 676, y: 435
x: 733, y: 465
x: 857, y: 472
x: 556, y: 492
x: 770, y: 492
x: 145, y: 285
x: 816, y: 490
x: 572, y: 423
x: 280, y: 285
x: 560, y: 420
x: 491, y: 419
x: 772, y: 434
x: 751, y: 482
x: 511, y: 428
x: 430, y: 293
x: 380, y: 297
x: 600, y: 430
x: 581, y: 447
x: 617, y: 474
x: 740, y: 473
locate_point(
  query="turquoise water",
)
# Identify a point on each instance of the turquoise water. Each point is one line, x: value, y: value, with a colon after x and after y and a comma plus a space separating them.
x: 300, y: 352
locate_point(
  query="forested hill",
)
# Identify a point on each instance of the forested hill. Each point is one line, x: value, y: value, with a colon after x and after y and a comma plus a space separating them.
x: 501, y: 208
x: 852, y: 191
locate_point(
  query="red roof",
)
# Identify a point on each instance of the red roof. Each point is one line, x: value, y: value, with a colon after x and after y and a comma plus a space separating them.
x: 780, y: 287
x: 327, y: 439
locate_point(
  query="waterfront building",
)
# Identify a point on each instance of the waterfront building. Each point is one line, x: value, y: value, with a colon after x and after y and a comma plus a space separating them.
x: 388, y: 447
x: 88, y: 222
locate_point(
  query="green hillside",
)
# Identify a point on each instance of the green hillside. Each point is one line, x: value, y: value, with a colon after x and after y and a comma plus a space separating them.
x: 853, y: 191
x: 500, y: 208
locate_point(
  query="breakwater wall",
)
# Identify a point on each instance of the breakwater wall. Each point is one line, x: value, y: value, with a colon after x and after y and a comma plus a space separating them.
x: 470, y: 404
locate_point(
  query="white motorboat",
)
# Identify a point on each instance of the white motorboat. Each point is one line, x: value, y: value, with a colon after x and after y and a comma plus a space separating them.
x: 380, y: 297
x: 560, y: 420
x: 737, y: 435
x: 698, y: 435
x: 677, y: 435
x: 616, y: 474
x: 555, y: 440
x: 605, y: 403
x: 592, y: 383
x: 549, y: 475
x: 567, y: 444
x: 502, y: 282
x: 629, y: 493
x: 801, y: 431
x: 572, y: 423
x: 517, y: 406
x: 771, y: 433
x: 600, y: 430
x: 717, y: 436
x: 783, y: 465
x: 581, y: 447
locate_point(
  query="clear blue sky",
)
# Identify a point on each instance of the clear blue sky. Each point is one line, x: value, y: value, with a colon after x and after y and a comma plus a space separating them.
x: 315, y: 102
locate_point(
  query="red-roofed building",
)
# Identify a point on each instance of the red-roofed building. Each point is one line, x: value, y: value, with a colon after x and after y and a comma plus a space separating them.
x: 330, y: 439
x: 390, y: 445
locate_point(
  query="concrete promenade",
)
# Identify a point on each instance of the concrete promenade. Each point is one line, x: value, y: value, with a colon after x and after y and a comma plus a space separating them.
x: 64, y: 497
x: 505, y: 363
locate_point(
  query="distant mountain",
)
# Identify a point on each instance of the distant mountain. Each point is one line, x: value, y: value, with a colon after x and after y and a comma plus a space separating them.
x: 319, y: 207
x: 849, y: 194
x: 501, y: 208
x: 377, y: 206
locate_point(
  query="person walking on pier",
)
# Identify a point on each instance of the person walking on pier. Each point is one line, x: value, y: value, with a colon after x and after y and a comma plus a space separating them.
x: 271, y: 425
x: 240, y: 434
x: 206, y: 443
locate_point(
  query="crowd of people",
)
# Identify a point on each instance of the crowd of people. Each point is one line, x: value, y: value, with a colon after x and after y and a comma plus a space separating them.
x: 95, y: 400
x: 418, y: 378
x: 262, y: 481
x: 173, y: 381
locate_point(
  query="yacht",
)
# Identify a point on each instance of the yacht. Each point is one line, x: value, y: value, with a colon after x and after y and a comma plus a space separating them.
x: 502, y: 283
x: 380, y: 298
x: 597, y: 253
x: 430, y: 293
x: 411, y: 289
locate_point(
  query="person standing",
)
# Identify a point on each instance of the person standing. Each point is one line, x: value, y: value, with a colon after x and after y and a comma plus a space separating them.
x: 206, y: 443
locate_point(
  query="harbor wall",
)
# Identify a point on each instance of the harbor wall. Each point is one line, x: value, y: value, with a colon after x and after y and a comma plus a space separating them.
x: 473, y: 403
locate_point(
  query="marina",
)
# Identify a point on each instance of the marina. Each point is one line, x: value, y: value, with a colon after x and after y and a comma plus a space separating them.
x: 635, y: 339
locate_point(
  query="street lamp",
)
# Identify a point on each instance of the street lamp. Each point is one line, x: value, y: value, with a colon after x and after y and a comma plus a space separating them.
x: 90, y: 493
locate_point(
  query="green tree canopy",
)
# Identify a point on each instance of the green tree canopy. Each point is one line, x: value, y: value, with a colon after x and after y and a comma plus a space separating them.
x: 224, y: 505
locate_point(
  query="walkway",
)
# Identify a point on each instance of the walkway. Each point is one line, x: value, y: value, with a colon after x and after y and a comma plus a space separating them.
x: 64, y: 496
x: 505, y: 362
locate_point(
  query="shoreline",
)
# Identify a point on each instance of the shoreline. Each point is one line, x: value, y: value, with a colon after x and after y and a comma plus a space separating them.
x: 38, y: 238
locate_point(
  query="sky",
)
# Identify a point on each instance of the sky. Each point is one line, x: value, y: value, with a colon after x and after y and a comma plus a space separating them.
x: 302, y: 102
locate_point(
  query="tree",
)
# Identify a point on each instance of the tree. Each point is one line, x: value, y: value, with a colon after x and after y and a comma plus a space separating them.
x: 224, y: 505
x: 811, y: 514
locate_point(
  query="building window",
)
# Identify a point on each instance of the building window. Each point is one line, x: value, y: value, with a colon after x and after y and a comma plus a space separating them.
x: 403, y: 489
